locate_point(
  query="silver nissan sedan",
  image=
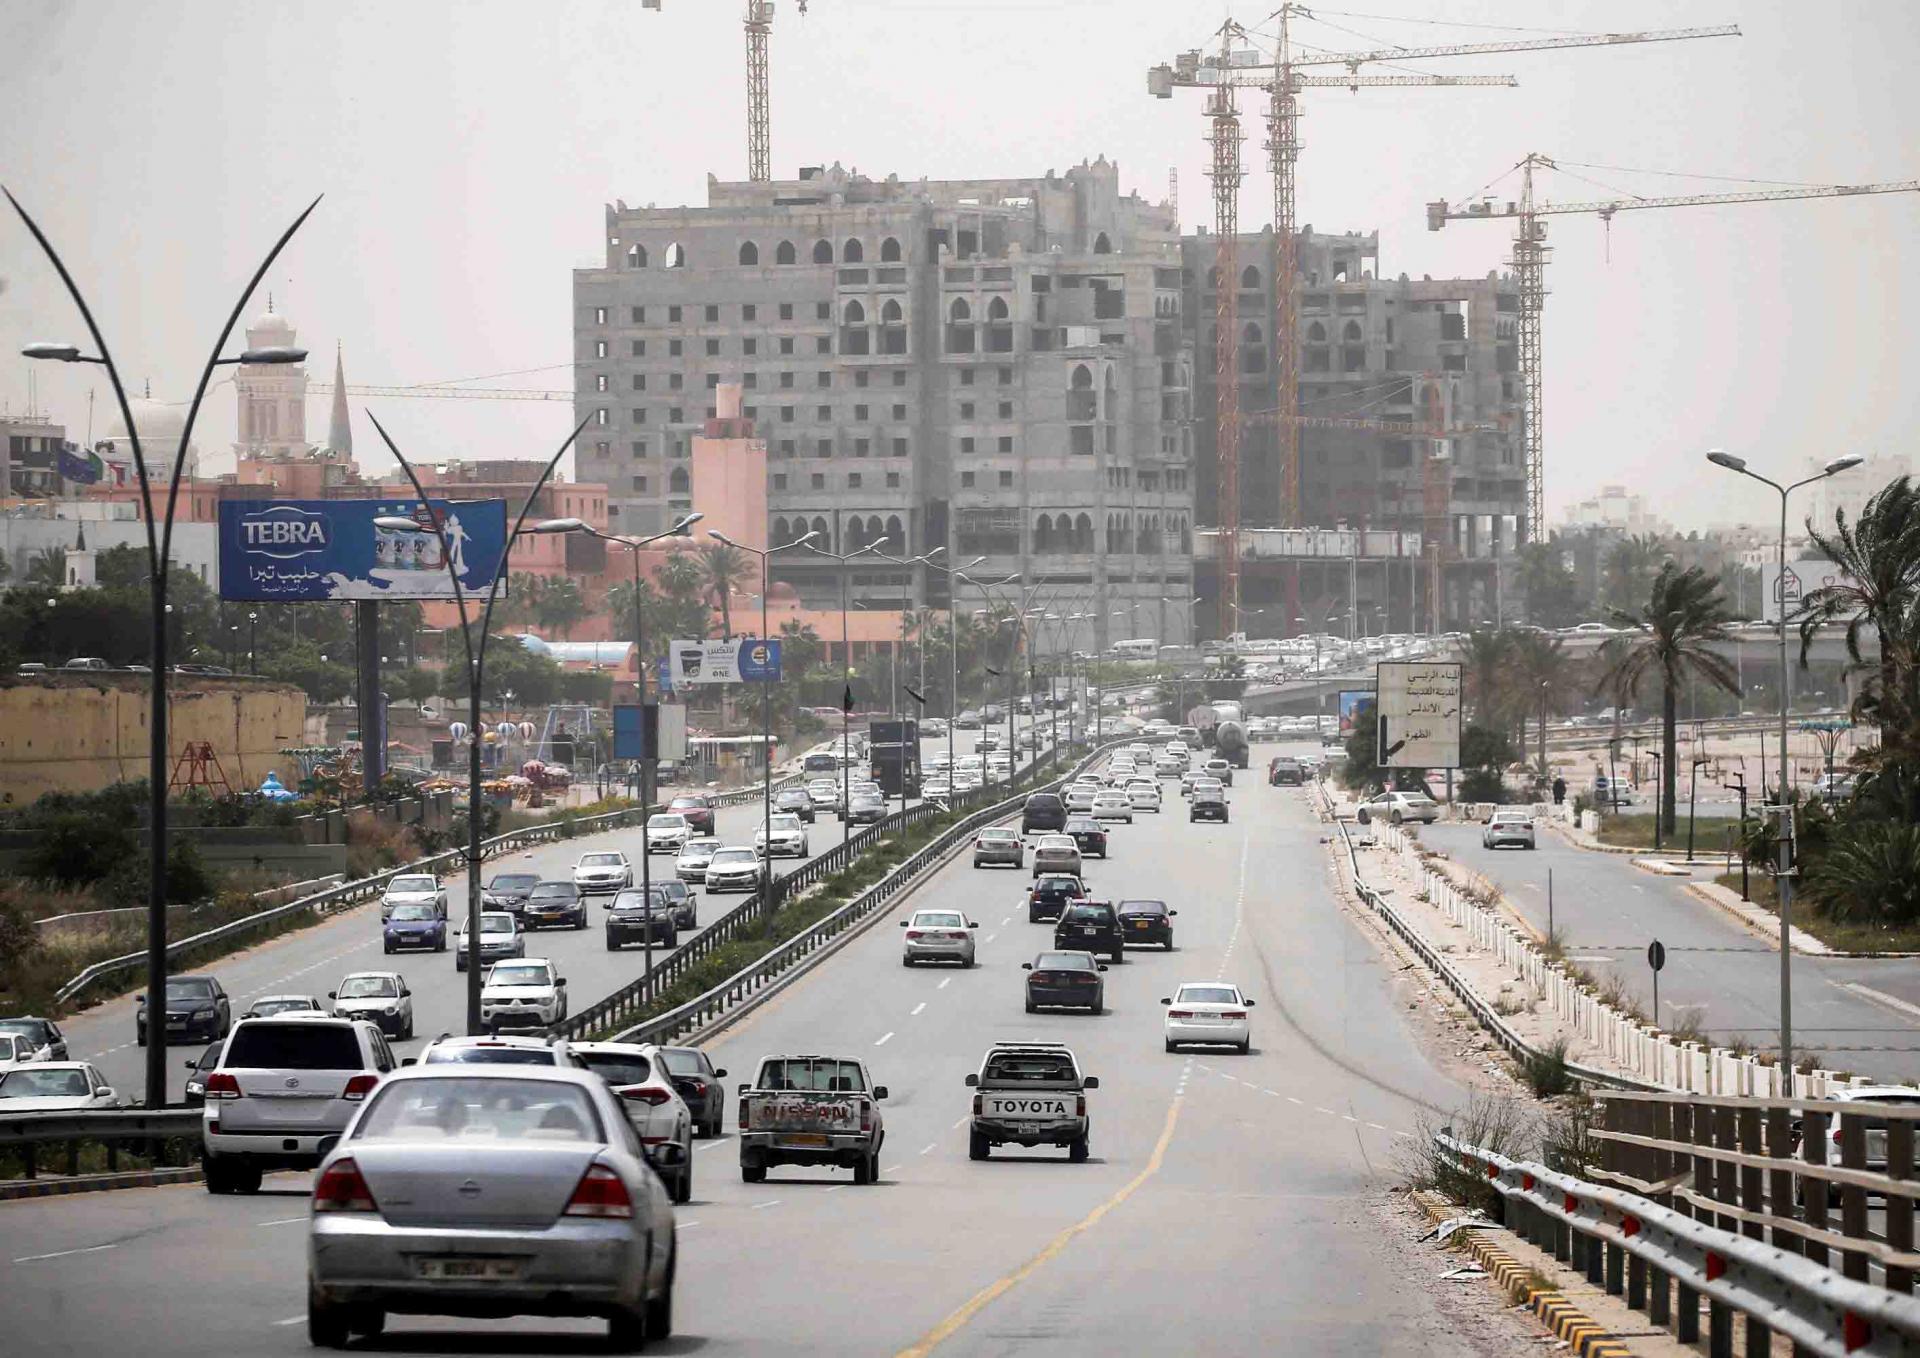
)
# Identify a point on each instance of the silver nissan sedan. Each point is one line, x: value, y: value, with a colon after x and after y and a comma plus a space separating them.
x: 489, y: 1191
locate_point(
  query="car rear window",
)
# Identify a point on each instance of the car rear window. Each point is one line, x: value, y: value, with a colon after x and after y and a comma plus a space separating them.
x: 939, y: 919
x: 1028, y: 1068
x: 1142, y: 907
x: 490, y: 1056
x: 480, y: 1108
x: 1086, y: 914
x: 681, y: 1062
x: 293, y: 1046
x: 1043, y: 801
x: 824, y: 1077
x: 618, y: 1068
x: 1207, y: 994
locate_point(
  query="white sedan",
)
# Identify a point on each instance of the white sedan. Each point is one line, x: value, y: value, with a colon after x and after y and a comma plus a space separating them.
x: 1144, y: 795
x: 935, y: 935
x: 1212, y: 1013
x: 781, y: 837
x: 608, y: 872
x: 1113, y: 806
x: 1079, y: 797
x: 55, y: 1087
x: 667, y: 832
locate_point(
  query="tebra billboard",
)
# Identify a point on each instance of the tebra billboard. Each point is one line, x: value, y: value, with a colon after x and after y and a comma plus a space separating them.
x: 742, y: 660
x: 292, y: 551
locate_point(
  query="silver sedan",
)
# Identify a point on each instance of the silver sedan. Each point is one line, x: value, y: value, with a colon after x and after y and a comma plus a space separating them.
x: 489, y: 1191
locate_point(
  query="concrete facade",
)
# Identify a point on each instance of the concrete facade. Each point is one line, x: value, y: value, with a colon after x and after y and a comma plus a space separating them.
x: 997, y: 367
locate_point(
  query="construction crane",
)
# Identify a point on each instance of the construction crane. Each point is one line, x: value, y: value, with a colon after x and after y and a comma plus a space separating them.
x: 1284, y: 78
x: 759, y: 26
x: 1529, y: 261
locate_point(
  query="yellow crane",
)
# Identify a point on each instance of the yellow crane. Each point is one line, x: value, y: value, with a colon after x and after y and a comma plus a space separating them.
x: 759, y: 27
x: 1530, y: 251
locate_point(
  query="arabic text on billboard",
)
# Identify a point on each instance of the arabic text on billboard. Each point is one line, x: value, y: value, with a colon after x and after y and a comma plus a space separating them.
x: 285, y: 551
x: 1418, y: 712
x: 742, y: 660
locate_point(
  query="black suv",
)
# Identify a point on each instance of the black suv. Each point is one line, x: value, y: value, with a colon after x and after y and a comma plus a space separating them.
x: 636, y: 914
x: 1052, y: 893
x: 1091, y: 925
x: 1146, y: 922
x: 1043, y: 811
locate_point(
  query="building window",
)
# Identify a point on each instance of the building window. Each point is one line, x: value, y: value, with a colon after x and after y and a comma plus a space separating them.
x: 1006, y: 410
x: 673, y: 348
x: 1006, y: 479
x: 823, y: 379
x: 638, y: 447
x: 860, y: 413
x: 599, y: 348
x: 860, y: 378
x: 853, y: 480
x: 899, y: 412
x: 786, y: 344
x: 899, y: 377
x: 673, y: 315
x: 749, y: 347
x: 639, y: 415
x: 713, y: 381
x: 786, y: 311
x: 637, y: 348
x: 636, y: 256
x: 779, y: 480
x: 675, y: 257
x: 749, y: 253
x: 750, y: 381
x: 603, y: 448
x: 1006, y: 377
x: 639, y: 315
x: 600, y: 417
x: 786, y: 447
x: 675, y: 381
x: 640, y: 484
x: 599, y: 315
x: 1006, y: 443
x: 861, y: 447
x: 966, y: 377
x: 713, y: 348
x: 825, y: 414
x: 899, y: 447
x: 749, y: 312
x: 786, y: 414
x: 600, y: 382
x: 712, y: 314
x: 966, y: 410
x: 966, y: 480
x: 822, y: 311
x: 889, y: 251
x: 676, y: 416
x: 893, y: 480
x: 817, y: 481
x: 823, y: 344
x: 786, y: 379
x: 823, y: 448
x: 966, y: 445
x: 783, y: 252
x: 853, y: 252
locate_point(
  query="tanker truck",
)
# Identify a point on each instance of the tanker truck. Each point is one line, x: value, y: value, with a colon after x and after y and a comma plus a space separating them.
x: 1221, y: 726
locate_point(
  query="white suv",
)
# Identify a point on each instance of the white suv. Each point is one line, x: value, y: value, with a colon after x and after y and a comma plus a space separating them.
x: 526, y: 993
x: 282, y: 1092
x: 380, y: 997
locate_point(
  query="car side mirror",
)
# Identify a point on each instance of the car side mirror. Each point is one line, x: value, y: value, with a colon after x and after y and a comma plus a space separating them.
x: 879, y: 1092
x: 1172, y: 913
x: 333, y: 994
x: 1103, y: 966
x: 409, y: 1060
x: 140, y: 999
x: 1091, y: 1082
x: 560, y: 984
x: 106, y: 1092
x: 1165, y: 1000
x: 405, y: 991
x: 191, y: 1065
x: 1248, y: 1003
x: 720, y: 1075
x: 973, y: 924
x: 973, y: 1081
x: 1026, y: 966
x: 903, y: 924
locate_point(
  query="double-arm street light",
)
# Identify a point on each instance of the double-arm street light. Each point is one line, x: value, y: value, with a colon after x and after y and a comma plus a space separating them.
x: 432, y: 522
x: 766, y: 556
x: 1721, y: 458
x: 846, y: 676
x: 159, y: 530
x: 954, y: 574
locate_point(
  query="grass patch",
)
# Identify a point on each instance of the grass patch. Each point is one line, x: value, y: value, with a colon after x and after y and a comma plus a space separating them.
x: 1546, y: 1074
x: 1852, y: 936
x: 1633, y: 831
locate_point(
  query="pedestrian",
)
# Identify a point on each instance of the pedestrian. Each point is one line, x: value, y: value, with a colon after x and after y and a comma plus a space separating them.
x: 1559, y: 789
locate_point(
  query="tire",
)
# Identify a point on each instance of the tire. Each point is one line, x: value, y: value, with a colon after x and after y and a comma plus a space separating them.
x: 407, y: 1036
x: 141, y: 1039
x: 1170, y: 1046
x: 659, y: 1310
x: 1030, y: 1007
x: 978, y: 1147
x: 218, y: 1178
x: 244, y: 1179
x: 627, y: 1331
x: 387, y: 948
x: 613, y: 944
x: 683, y: 1186
x: 367, y: 1322
x: 326, y: 1323
x: 863, y: 1170
x: 1077, y: 1151
x: 1246, y: 1047
x: 1099, y: 1007
x: 753, y: 1174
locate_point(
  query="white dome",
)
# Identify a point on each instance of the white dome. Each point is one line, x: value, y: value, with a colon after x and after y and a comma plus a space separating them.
x: 269, y: 328
x: 157, y: 423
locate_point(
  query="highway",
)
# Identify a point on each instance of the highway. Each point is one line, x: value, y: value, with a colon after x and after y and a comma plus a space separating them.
x: 313, y: 961
x: 1849, y: 1010
x: 1231, y: 1197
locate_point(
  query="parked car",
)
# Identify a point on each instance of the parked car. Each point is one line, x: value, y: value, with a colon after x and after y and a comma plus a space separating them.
x: 1143, y: 921
x: 694, y: 1076
x: 1067, y: 980
x: 938, y: 935
x: 654, y: 1108
x: 1508, y: 826
x: 508, y: 891
x: 380, y: 997
x: 414, y: 926
x: 554, y: 903
x: 1210, y: 1012
x: 417, y: 888
x: 602, y: 1245
x: 197, y: 1009
x: 54, y: 1087
x: 997, y: 844
x: 500, y: 937
x: 638, y: 913
x: 1092, y: 925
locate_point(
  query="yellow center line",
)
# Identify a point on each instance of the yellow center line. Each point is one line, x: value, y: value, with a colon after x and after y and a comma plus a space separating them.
x: 987, y: 1295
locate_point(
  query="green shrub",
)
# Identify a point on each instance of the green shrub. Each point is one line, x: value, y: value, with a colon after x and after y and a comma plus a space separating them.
x: 1482, y: 785
x: 1868, y: 873
x: 75, y: 847
x: 1547, y: 1074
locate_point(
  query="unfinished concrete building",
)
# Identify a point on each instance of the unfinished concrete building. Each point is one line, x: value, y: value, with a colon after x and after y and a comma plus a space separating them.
x: 1402, y: 351
x: 999, y: 367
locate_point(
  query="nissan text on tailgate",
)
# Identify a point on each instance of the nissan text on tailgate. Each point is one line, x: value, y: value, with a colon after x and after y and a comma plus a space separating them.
x: 811, y: 1110
x: 1029, y: 1094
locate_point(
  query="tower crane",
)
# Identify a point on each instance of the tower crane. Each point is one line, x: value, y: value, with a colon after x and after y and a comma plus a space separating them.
x: 1284, y: 77
x: 1530, y: 251
x: 759, y: 26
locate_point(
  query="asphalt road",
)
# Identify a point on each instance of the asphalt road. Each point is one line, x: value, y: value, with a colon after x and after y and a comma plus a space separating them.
x: 1860, y: 1014
x: 1225, y: 1207
x: 313, y: 961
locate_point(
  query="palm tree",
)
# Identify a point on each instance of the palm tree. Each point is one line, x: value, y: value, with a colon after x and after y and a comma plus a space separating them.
x: 1630, y: 569
x: 1488, y: 693
x: 722, y: 567
x: 1541, y: 677
x: 1879, y: 553
x: 1684, y: 615
x: 679, y: 581
x: 559, y: 604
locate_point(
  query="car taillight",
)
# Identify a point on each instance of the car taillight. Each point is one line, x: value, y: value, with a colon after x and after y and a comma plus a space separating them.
x: 1080, y: 1106
x: 915, y: 933
x: 695, y: 1086
x: 359, y: 1087
x: 1180, y: 1013
x: 342, y: 1189
x: 600, y: 1193
x: 1233, y: 1013
x: 977, y: 1105
x: 220, y: 1085
x: 866, y: 1117
x: 656, y: 1097
x: 746, y: 1116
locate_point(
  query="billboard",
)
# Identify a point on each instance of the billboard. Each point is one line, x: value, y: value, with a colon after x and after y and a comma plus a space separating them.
x: 1418, y: 711
x: 1802, y: 578
x: 295, y: 551
x: 742, y: 660
x: 658, y: 731
x: 1351, y: 700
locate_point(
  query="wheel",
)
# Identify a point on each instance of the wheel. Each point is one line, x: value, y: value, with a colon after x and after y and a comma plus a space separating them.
x: 1077, y: 1151
x: 441, y: 946
x: 1169, y: 1045
x: 1395, y: 818
x: 141, y: 1039
x: 326, y: 1323
x: 581, y: 922
x: 1099, y: 1006
x: 1119, y: 955
x: 1169, y: 942
x: 660, y: 1309
x: 905, y: 961
x: 978, y: 1147
x: 753, y: 1174
x: 613, y: 944
x: 244, y: 1178
x: 1246, y: 1047
x: 366, y: 1321
x: 627, y: 1330
x: 1030, y: 1006
x: 218, y: 1180
x: 683, y: 1185
x: 387, y: 948
x: 407, y: 1035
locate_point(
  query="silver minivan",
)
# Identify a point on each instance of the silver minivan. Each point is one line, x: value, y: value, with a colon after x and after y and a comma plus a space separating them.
x: 283, y: 1091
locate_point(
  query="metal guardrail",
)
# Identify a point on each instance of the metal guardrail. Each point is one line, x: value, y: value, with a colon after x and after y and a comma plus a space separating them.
x: 751, y: 978
x: 29, y: 1133
x: 352, y: 893
x: 1630, y: 1244
x: 1437, y: 962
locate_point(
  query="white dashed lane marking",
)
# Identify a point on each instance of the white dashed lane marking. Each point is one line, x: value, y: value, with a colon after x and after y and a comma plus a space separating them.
x: 944, y: 984
x: 884, y: 1040
x: 62, y: 1254
x: 917, y: 1008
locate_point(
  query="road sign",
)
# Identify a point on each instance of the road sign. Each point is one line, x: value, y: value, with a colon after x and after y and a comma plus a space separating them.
x: 1656, y: 954
x: 1417, y: 709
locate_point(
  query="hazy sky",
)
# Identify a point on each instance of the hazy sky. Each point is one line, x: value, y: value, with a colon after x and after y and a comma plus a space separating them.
x: 466, y: 150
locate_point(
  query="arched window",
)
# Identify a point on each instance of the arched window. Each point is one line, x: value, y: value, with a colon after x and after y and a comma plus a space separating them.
x: 856, y: 314
x: 889, y: 251
x: 1083, y: 533
x: 1352, y: 333
x: 1249, y: 277
x: 821, y: 535
x: 896, y: 535
x: 1082, y: 378
x: 1250, y: 334
x: 676, y: 257
x: 1316, y: 333
x: 781, y: 534
x: 893, y: 328
x: 749, y: 252
x: 783, y: 253
x: 1101, y: 245
x: 890, y: 314
x: 636, y: 256
x: 853, y: 252
x: 823, y: 252
x: 997, y: 309
x: 1080, y: 397
x: 856, y: 534
x: 959, y: 311
x: 677, y: 482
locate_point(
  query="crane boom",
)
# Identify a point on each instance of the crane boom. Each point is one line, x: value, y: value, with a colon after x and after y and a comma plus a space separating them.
x: 758, y: 24
x: 1439, y: 213
x: 1352, y: 60
x: 447, y: 393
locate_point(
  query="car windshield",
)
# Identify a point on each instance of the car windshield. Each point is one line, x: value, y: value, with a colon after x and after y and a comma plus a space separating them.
x: 515, y: 974
x: 940, y: 919
x: 414, y: 912
x: 294, y: 1046
x: 681, y: 1062
x: 635, y: 899
x: 189, y: 990
x: 400, y: 885
x: 363, y: 987
x: 734, y: 856
x: 490, y: 1056
x: 480, y: 1108
x: 817, y: 1074
x: 618, y: 1068
x: 491, y: 923
x: 1064, y: 961
x: 34, y: 1030
x: 785, y: 823
x: 1207, y: 994
x: 600, y: 860
x: 514, y: 881
x: 666, y: 821
x: 30, y: 1082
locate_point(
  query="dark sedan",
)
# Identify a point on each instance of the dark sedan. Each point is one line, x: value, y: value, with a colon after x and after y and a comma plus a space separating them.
x: 697, y: 811
x: 1065, y: 980
x: 698, y: 1083
x: 1089, y: 834
x: 414, y: 926
x: 685, y: 905
x: 197, y: 1008
x: 794, y: 801
x: 197, y: 1068
x: 1092, y: 925
x: 553, y: 903
x: 1052, y: 893
x: 635, y: 916
x: 508, y: 891
x: 1146, y: 922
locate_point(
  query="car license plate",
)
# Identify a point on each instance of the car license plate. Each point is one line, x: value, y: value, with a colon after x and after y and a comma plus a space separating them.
x: 1142, y: 924
x: 479, y: 1269
x: 809, y: 1139
x: 1089, y: 930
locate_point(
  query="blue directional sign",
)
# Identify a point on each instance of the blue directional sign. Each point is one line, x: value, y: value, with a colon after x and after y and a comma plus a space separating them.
x: 301, y: 550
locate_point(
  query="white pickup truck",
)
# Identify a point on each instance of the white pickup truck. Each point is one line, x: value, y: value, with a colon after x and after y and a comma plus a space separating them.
x: 1030, y: 1094
x: 811, y: 1110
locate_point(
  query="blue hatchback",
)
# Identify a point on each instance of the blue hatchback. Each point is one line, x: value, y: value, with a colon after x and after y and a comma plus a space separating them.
x: 415, y: 926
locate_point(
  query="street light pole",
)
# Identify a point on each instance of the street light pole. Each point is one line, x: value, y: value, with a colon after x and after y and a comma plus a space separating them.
x: 159, y: 556
x: 846, y: 678
x: 1721, y: 458
x: 476, y: 664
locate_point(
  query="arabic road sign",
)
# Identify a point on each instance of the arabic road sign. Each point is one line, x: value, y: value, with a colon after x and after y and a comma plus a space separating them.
x: 288, y: 551
x: 1418, y: 711
x: 744, y: 659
